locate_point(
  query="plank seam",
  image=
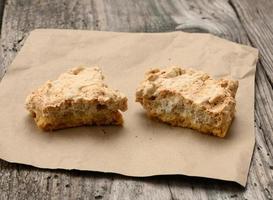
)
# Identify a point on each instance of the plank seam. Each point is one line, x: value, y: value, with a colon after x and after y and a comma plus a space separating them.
x: 2, y: 8
x: 171, y: 193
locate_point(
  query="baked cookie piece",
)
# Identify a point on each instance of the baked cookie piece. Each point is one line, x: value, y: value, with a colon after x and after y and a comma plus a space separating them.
x: 78, y: 97
x: 189, y: 98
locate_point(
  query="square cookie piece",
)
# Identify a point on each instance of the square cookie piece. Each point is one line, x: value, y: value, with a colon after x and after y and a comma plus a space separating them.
x: 189, y: 98
x: 78, y: 97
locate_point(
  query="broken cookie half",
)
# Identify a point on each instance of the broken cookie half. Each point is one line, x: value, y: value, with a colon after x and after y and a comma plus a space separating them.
x: 189, y: 98
x: 78, y: 97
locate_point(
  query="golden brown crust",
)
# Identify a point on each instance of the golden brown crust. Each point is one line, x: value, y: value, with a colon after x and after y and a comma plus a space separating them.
x: 189, y: 98
x: 78, y: 97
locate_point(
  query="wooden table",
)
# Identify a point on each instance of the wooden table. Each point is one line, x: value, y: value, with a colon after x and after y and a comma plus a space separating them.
x: 245, y: 21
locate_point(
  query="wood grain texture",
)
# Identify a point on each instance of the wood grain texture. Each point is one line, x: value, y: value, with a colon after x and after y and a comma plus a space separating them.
x: 2, y: 3
x: 256, y: 18
x: 234, y: 20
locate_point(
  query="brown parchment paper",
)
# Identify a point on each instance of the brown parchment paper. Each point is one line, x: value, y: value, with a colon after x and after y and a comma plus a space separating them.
x: 141, y: 147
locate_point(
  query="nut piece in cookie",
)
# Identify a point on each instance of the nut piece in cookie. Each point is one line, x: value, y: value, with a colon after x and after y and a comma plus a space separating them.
x: 189, y: 98
x: 78, y: 97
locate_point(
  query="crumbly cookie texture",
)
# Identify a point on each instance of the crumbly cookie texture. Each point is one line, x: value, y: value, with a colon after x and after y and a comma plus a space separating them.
x: 189, y: 98
x: 78, y: 97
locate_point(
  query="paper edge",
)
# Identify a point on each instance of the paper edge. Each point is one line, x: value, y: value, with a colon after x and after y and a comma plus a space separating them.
x: 241, y: 183
x: 37, y: 30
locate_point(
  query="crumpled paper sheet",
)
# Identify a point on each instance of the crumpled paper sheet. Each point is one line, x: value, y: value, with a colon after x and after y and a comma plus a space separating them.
x: 142, y: 147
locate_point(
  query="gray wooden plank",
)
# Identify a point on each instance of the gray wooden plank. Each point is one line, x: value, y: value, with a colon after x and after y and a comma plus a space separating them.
x: 256, y: 18
x: 217, y: 17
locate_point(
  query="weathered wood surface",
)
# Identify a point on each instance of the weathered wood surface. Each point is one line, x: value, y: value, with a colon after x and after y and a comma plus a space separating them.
x: 244, y: 21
